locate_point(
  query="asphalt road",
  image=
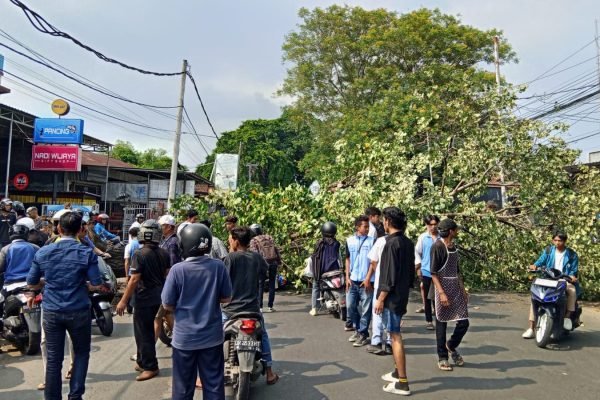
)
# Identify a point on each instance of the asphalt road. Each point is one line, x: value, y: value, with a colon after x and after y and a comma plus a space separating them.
x: 315, y: 360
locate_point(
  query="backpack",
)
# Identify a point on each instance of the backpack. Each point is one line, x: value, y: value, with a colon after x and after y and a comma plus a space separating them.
x: 268, y: 250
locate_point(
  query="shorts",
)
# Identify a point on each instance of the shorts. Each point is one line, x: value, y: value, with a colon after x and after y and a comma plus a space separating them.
x: 160, y: 313
x: 391, y: 321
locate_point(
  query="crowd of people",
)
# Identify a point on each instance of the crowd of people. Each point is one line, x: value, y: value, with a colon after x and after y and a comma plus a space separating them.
x: 380, y: 264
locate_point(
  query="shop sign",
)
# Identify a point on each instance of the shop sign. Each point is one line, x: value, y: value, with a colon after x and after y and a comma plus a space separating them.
x: 55, y: 158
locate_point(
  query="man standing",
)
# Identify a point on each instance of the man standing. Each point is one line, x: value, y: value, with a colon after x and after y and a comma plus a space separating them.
x: 32, y: 212
x: 218, y: 250
x: 169, y: 241
x: 245, y: 268
x: 139, y: 220
x: 450, y: 296
x: 148, y: 271
x: 265, y: 246
x: 192, y: 218
x: 66, y: 267
x: 396, y: 276
x: 422, y: 261
x: 378, y: 346
x: 131, y: 248
x: 376, y: 229
x: 359, y: 289
x: 7, y: 219
x: 230, y: 222
x: 193, y: 291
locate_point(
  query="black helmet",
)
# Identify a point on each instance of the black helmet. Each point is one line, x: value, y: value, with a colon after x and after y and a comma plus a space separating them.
x: 19, y: 207
x: 18, y: 232
x: 195, y: 240
x: 149, y: 232
x: 329, y: 229
x: 256, y: 229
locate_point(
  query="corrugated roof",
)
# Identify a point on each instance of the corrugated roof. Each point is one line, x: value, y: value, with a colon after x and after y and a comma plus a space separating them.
x: 99, y: 160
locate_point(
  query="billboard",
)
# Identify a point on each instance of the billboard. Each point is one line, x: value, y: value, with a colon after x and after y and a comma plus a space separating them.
x: 55, y: 158
x: 225, y: 171
x: 58, y: 130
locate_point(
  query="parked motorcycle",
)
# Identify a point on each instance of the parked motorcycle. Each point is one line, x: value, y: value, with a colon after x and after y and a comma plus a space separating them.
x: 22, y: 326
x: 333, y: 293
x: 549, y: 299
x: 101, y: 300
x: 242, y: 351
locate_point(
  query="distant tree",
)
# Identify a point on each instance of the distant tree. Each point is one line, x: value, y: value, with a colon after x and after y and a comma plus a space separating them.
x: 155, y: 159
x: 125, y: 152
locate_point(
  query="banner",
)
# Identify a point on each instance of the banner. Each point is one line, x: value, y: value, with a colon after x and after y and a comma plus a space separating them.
x: 225, y: 171
x: 55, y: 158
x: 58, y: 130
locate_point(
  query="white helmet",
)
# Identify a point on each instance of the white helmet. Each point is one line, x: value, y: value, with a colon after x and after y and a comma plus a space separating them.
x: 28, y: 222
x: 60, y: 213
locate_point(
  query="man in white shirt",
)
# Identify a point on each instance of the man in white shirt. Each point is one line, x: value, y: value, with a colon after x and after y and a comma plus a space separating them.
x: 377, y: 346
x: 192, y: 218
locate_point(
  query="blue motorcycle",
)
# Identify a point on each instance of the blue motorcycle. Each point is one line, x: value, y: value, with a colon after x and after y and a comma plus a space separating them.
x: 549, y: 299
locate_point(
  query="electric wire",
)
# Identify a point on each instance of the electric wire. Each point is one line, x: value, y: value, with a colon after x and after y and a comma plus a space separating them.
x: 202, y: 104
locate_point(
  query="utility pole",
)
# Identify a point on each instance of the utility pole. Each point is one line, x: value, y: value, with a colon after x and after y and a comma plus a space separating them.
x: 175, y: 163
x: 598, y: 52
x: 497, y: 63
x: 10, y: 135
x: 251, y: 168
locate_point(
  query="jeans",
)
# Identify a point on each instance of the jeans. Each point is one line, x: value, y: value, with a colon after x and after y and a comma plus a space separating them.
x: 316, y: 293
x: 143, y: 329
x: 79, y: 326
x: 261, y: 287
x: 265, y: 343
x: 206, y: 363
x: 44, y: 350
x: 359, y: 304
x: 428, y: 308
x: 460, y: 330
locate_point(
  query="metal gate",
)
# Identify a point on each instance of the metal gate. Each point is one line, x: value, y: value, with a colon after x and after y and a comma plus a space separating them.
x: 129, y: 214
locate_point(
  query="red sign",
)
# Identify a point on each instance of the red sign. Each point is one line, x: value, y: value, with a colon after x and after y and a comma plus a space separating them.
x: 55, y: 158
x: 21, y: 181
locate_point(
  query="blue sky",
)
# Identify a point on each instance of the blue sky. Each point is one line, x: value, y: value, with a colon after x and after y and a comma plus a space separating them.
x: 234, y: 49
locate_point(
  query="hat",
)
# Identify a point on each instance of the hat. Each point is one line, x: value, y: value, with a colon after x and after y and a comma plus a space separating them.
x: 448, y: 224
x: 167, y: 220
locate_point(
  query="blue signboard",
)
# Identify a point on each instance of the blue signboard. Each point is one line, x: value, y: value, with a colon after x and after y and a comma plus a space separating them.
x: 58, y: 130
x: 1, y: 63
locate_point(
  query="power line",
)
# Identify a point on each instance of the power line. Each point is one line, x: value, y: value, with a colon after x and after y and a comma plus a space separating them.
x: 584, y: 137
x: 553, y: 93
x: 202, y: 104
x: 40, y: 24
x: 195, y: 132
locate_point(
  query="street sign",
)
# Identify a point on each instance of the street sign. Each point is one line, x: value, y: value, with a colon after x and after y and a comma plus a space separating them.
x: 60, y: 107
x: 21, y: 181
x: 58, y: 130
x: 55, y: 158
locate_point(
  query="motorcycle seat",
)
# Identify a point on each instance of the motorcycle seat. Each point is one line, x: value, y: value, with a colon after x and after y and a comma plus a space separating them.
x: 246, y: 314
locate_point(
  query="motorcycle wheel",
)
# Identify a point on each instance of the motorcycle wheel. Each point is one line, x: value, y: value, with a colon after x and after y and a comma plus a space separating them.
x: 32, y: 346
x: 105, y: 322
x: 166, y: 333
x: 544, y: 330
x: 243, y: 389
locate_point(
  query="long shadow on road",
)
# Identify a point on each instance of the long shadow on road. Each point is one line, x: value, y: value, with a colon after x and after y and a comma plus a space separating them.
x: 447, y: 383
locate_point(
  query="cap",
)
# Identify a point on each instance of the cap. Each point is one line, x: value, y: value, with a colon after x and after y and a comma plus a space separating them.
x: 448, y: 224
x: 167, y: 220
x: 139, y: 216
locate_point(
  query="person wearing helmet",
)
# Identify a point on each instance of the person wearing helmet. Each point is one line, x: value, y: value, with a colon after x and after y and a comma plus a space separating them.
x: 19, y: 209
x: 193, y: 291
x: 325, y: 258
x: 148, y: 270
x: 7, y: 219
x: 102, y: 232
x: 218, y: 249
x: 265, y: 246
x: 16, y: 258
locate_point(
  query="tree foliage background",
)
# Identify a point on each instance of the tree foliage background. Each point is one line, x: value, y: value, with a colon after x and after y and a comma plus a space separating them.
x: 400, y: 109
x: 150, y: 158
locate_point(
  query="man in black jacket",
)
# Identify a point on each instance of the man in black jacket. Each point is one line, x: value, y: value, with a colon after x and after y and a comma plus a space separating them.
x: 396, y: 275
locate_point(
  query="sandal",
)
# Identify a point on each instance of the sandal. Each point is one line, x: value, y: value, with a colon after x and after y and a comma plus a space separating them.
x: 444, y: 365
x: 273, y: 381
x: 69, y: 373
x: 41, y: 386
x: 457, y: 358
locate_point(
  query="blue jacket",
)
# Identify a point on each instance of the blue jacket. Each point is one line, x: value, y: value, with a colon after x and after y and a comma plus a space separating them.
x: 102, y: 233
x: 570, y: 262
x: 15, y: 260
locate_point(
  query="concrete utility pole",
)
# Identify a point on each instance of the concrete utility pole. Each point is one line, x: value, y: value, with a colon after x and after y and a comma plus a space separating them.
x: 497, y: 63
x: 175, y: 163
x: 598, y: 52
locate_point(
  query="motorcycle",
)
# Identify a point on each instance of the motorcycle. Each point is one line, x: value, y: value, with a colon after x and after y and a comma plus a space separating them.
x: 549, y: 298
x: 101, y: 300
x: 333, y: 293
x: 242, y: 352
x: 21, y: 325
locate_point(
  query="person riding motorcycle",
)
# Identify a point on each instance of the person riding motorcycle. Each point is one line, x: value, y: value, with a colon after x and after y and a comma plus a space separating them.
x: 102, y: 232
x: 325, y: 258
x: 565, y: 259
x: 7, y: 219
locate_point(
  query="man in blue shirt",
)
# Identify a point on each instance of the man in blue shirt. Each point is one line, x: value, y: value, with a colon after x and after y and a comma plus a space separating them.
x: 66, y: 266
x: 359, y: 287
x: 422, y: 262
x: 194, y: 290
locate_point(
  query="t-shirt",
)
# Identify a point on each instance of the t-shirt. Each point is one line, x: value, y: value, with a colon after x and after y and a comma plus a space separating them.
x: 152, y: 263
x: 375, y: 255
x: 195, y: 287
x: 357, y: 250
x: 423, y: 252
x: 397, y: 271
x: 245, y: 268
x: 559, y: 257
x: 439, y: 256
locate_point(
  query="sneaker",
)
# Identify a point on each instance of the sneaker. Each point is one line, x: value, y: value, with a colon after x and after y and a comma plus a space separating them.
x: 420, y: 310
x: 361, y: 341
x: 133, y: 357
x: 375, y: 349
x: 313, y: 312
x: 430, y: 326
x: 568, y: 324
x: 528, y: 334
x: 270, y: 309
x: 388, y: 350
x: 349, y: 328
x: 391, y: 376
x: 397, y: 388
x: 355, y: 336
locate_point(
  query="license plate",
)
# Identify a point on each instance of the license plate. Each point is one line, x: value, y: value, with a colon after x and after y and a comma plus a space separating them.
x: 247, y: 345
x: 546, y: 282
